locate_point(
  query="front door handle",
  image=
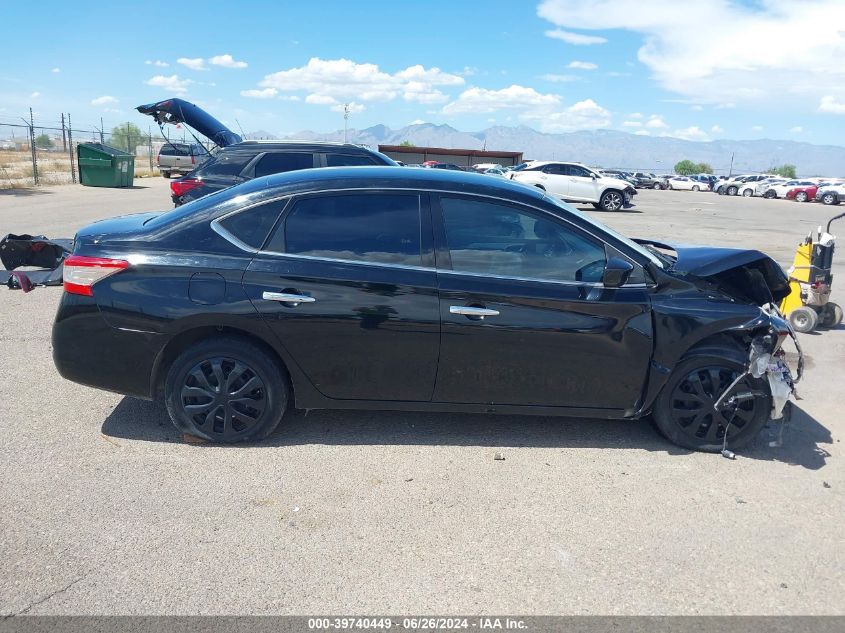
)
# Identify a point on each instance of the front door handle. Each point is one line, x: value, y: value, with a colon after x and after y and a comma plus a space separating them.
x: 286, y: 297
x: 472, y: 311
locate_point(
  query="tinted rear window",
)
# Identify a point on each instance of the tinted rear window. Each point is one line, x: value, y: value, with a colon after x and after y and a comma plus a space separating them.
x: 175, y: 150
x: 350, y: 160
x: 278, y: 162
x: 253, y: 225
x: 382, y: 228
x: 225, y: 164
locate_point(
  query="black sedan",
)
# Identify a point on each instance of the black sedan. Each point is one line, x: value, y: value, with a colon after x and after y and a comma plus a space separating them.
x: 427, y: 290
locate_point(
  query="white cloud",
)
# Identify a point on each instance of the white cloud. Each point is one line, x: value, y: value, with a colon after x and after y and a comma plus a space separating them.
x: 56, y: 70
x: 748, y: 51
x: 416, y: 122
x: 288, y: 97
x: 226, y: 61
x: 582, y: 65
x: 354, y: 108
x: 696, y: 107
x: 632, y: 124
x: 318, y: 99
x: 584, y: 115
x: 642, y: 133
x: 265, y: 93
x: 483, y: 100
x: 756, y: 128
x: 104, y: 100
x: 635, y: 115
x: 157, y: 63
x: 829, y: 104
x: 194, y: 63
x: 173, y: 83
x: 35, y: 95
x: 796, y: 129
x: 578, y: 39
x: 717, y: 129
x: 656, y: 122
x: 343, y: 79
x: 692, y: 133
x: 560, y: 78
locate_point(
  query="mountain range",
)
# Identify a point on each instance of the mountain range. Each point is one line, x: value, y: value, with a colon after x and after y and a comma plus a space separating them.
x: 602, y: 148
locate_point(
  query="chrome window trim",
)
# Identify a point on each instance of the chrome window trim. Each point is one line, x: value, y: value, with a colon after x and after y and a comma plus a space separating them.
x: 217, y: 228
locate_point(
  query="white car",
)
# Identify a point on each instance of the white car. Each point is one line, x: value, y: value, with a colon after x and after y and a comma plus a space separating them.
x: 779, y: 190
x: 688, y: 184
x: 761, y: 187
x: 575, y: 182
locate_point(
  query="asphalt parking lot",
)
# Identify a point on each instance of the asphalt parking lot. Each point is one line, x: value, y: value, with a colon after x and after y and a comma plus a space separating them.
x: 106, y: 510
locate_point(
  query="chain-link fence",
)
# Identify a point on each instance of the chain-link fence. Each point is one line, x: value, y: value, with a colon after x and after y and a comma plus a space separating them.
x: 35, y: 152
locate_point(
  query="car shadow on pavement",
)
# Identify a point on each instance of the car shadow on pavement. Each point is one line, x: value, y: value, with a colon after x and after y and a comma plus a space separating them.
x: 141, y: 420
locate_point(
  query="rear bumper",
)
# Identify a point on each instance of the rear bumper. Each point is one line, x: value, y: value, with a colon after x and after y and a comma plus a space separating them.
x: 89, y: 351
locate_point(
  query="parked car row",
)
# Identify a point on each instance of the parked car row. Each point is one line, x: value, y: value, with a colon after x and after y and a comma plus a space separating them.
x: 825, y: 190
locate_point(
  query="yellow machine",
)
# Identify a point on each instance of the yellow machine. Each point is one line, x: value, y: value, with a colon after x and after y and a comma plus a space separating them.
x: 808, y: 304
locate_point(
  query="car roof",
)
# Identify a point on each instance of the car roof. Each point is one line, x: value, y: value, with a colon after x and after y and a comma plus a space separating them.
x: 294, y: 144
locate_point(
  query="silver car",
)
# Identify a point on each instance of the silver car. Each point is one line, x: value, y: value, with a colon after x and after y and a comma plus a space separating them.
x: 180, y: 158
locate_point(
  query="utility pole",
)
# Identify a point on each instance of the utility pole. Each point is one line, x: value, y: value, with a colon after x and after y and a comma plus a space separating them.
x: 64, y: 136
x: 102, y: 142
x: 70, y: 148
x: 32, y: 147
x: 731, y: 170
x: 345, y: 122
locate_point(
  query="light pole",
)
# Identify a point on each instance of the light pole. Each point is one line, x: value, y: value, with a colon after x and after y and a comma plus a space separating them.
x: 345, y: 122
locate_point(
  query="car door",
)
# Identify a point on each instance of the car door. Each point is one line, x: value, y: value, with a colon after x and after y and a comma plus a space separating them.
x: 582, y: 185
x: 555, y: 179
x: 525, y: 317
x: 346, y: 282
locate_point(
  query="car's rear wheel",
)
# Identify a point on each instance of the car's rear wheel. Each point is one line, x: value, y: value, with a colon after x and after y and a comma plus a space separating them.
x: 165, y: 174
x: 696, y: 188
x: 830, y: 198
x: 801, y: 196
x: 226, y: 390
x: 684, y: 411
x: 611, y: 201
x: 732, y: 190
x: 656, y: 185
x: 830, y: 315
x: 804, y: 319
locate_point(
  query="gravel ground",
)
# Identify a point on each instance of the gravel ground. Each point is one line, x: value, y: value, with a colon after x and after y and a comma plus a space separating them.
x: 106, y: 510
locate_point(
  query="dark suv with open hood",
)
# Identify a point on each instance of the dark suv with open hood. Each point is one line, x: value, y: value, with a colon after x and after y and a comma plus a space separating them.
x: 416, y: 289
x: 236, y: 161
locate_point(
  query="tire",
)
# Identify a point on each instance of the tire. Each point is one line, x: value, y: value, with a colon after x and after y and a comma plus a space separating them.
x: 683, y: 412
x: 732, y: 190
x: 611, y: 200
x: 246, y: 370
x: 830, y: 315
x: 830, y: 198
x: 165, y: 174
x: 696, y: 188
x: 801, y: 196
x: 656, y: 185
x: 770, y: 194
x: 747, y: 193
x: 720, y: 190
x: 803, y: 319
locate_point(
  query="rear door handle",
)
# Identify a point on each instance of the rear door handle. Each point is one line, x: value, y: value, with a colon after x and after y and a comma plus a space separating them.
x: 472, y: 311
x: 285, y: 297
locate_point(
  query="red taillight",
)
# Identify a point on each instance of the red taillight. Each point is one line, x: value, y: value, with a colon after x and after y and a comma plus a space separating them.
x: 181, y: 187
x: 193, y: 160
x: 81, y: 273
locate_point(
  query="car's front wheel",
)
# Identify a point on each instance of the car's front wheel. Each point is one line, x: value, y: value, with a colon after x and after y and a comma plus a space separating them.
x: 830, y: 198
x: 801, y: 196
x: 611, y: 201
x: 732, y: 190
x: 656, y: 185
x: 747, y: 193
x: 696, y: 188
x: 226, y: 390
x: 684, y: 411
x: 770, y: 194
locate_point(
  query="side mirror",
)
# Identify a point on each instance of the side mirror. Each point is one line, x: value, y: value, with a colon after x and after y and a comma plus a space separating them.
x: 593, y: 176
x: 616, y: 272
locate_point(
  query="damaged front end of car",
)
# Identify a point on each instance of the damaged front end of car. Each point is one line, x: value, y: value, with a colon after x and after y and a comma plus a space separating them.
x: 712, y: 296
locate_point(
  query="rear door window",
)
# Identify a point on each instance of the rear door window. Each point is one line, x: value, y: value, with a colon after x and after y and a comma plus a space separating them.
x: 253, y: 225
x: 225, y: 164
x: 175, y: 150
x: 377, y: 228
x: 349, y: 160
x: 279, y: 162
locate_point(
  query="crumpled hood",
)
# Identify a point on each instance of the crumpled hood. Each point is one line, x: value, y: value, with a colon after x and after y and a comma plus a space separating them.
x: 180, y: 111
x: 744, y: 274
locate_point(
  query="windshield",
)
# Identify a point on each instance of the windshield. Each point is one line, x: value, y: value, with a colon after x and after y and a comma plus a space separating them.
x: 603, y: 227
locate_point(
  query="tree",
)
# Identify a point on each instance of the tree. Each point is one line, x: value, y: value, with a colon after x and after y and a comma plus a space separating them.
x: 704, y: 168
x: 42, y: 141
x: 406, y: 144
x: 127, y: 136
x: 784, y: 171
x: 686, y: 168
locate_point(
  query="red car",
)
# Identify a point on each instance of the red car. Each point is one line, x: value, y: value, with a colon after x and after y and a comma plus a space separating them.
x: 802, y: 194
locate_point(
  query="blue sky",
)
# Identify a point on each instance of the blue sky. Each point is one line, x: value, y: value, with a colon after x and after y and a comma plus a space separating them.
x: 699, y: 69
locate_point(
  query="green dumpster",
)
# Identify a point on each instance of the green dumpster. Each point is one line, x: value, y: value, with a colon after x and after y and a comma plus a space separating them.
x: 104, y: 166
